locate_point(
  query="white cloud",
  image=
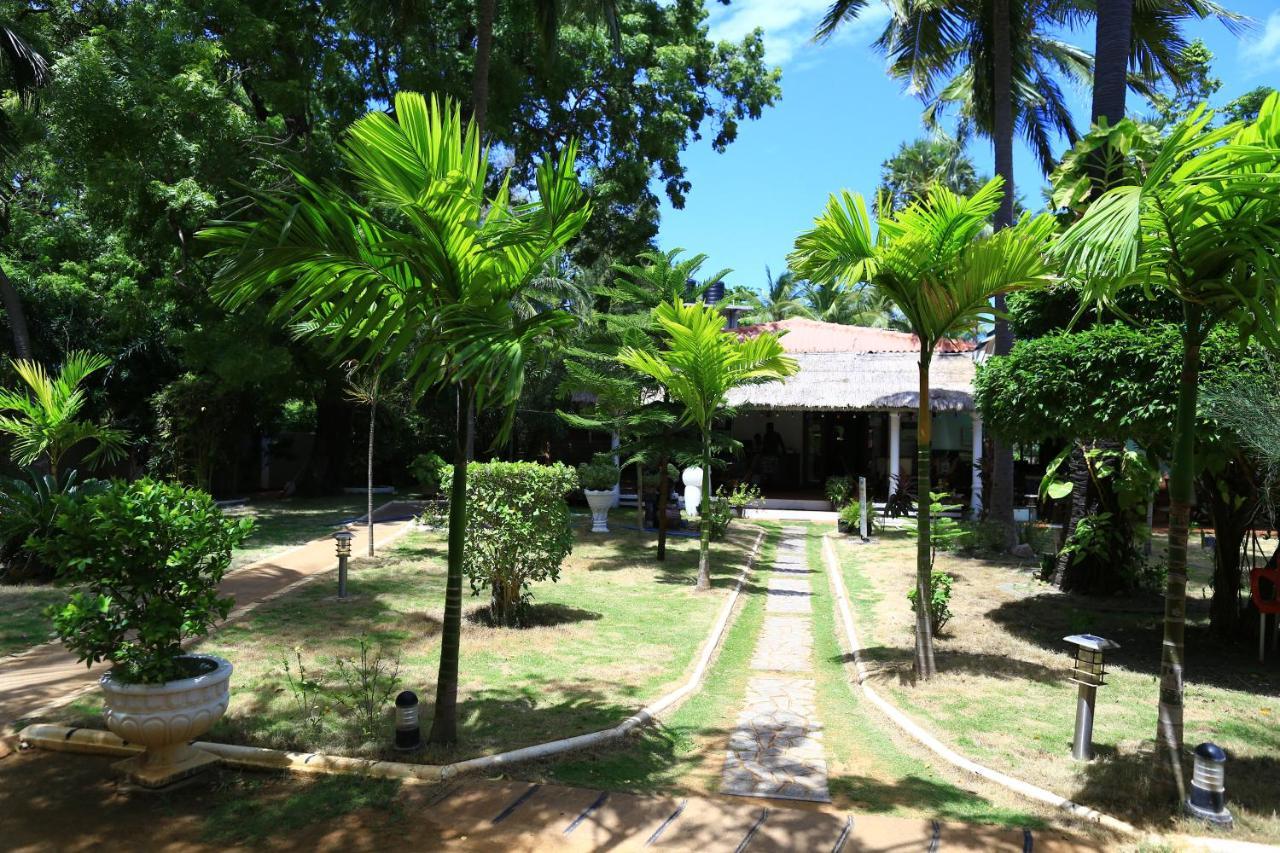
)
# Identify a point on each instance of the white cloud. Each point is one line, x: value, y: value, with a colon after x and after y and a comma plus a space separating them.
x: 789, y: 24
x: 1263, y: 53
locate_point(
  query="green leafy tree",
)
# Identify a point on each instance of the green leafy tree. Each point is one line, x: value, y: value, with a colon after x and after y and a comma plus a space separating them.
x: 833, y: 303
x: 44, y: 420
x: 426, y: 267
x: 1200, y: 222
x: 700, y: 364
x: 918, y: 166
x: 934, y: 262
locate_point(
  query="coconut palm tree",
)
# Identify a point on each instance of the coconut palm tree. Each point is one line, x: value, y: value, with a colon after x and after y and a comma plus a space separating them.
x: 44, y: 420
x: 936, y: 263
x: 700, y: 364
x: 832, y: 302
x: 921, y: 164
x: 1200, y: 220
x: 424, y: 267
x: 779, y: 300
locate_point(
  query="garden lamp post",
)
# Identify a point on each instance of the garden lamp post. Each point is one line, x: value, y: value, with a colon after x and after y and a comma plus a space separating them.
x: 1089, y: 674
x: 343, y: 538
x: 1207, y: 799
x: 408, y: 730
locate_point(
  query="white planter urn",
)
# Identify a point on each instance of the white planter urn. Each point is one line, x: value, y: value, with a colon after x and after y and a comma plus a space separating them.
x: 599, y: 501
x: 692, y: 478
x: 165, y: 718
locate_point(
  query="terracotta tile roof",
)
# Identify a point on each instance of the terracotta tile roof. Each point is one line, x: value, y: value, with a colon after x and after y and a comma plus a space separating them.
x: 804, y: 335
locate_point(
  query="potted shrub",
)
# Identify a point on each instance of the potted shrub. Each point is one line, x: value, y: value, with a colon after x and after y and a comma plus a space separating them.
x: 147, y: 558
x: 840, y: 490
x: 598, y: 477
x: 851, y: 518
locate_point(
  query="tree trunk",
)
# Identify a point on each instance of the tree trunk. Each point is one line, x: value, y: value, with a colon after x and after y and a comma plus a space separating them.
x: 373, y: 413
x: 924, y: 502
x: 325, y: 469
x: 640, y: 495
x: 1001, y: 509
x: 1078, y: 473
x: 1181, y: 493
x: 1112, y: 34
x: 444, y: 725
x: 704, y: 527
x: 1233, y: 500
x: 17, y: 317
x: 480, y: 72
x: 664, y: 489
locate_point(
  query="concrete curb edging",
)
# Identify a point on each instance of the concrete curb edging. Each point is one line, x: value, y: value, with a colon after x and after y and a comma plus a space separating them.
x: 97, y: 742
x: 914, y: 729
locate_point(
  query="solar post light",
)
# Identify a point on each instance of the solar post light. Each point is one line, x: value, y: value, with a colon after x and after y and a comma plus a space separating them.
x: 1089, y: 674
x: 862, y: 506
x: 343, y: 538
x: 408, y: 731
x: 1207, y: 799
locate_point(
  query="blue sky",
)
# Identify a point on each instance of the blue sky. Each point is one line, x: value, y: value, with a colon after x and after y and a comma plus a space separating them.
x: 840, y: 116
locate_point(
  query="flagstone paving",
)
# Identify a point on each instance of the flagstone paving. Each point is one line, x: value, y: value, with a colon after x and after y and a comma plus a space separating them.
x: 776, y: 749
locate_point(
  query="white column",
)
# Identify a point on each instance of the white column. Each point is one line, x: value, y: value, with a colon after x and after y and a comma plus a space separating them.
x: 975, y: 502
x: 895, y: 450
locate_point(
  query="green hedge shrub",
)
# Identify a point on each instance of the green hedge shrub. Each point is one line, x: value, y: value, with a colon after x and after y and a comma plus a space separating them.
x: 426, y: 468
x: 149, y: 557
x: 518, y: 531
x: 851, y: 515
x: 28, y: 509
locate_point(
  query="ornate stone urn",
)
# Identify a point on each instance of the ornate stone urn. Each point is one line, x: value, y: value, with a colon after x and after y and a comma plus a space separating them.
x: 165, y: 718
x: 599, y: 501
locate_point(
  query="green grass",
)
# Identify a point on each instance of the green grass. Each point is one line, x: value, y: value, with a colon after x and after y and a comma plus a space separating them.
x: 616, y: 631
x: 22, y: 620
x: 248, y: 810
x: 1003, y: 697
x: 869, y: 770
x: 680, y: 751
x: 280, y: 524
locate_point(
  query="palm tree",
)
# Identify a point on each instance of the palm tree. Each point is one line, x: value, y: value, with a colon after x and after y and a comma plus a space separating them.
x: 44, y: 421
x: 698, y: 368
x: 934, y: 261
x: 1201, y: 221
x: 919, y: 165
x: 832, y: 302
x: 1139, y: 43
x: 779, y: 301
x: 427, y: 268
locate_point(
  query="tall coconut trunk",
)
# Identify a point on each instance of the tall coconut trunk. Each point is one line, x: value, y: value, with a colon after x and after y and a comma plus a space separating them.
x: 1181, y: 493
x: 924, y: 503
x: 444, y: 725
x: 480, y: 71
x: 1112, y: 34
x: 17, y: 317
x: 704, y: 527
x: 1001, y: 508
x: 373, y: 419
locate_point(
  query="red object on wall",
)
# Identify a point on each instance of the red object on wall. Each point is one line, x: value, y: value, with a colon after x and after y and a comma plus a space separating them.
x: 1272, y: 576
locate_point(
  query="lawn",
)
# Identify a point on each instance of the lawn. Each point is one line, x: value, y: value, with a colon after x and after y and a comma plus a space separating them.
x: 1002, y: 696
x: 616, y: 631
x: 279, y: 524
x: 871, y: 769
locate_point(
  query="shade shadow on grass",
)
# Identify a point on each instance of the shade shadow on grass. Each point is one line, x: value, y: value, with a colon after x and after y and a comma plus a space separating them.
x: 886, y: 659
x: 1046, y: 618
x: 543, y: 615
x: 913, y: 792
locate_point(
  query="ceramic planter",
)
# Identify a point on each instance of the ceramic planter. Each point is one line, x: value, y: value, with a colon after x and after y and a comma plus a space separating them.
x: 165, y: 718
x: 599, y: 501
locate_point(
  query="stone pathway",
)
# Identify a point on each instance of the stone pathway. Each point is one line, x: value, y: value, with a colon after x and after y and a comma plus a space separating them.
x: 776, y: 750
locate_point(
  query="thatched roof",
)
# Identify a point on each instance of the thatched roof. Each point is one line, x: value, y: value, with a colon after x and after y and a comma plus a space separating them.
x: 881, y: 381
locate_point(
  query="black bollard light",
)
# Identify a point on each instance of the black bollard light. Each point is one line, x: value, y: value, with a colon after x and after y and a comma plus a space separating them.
x: 1207, y: 799
x: 343, y: 538
x: 408, y: 731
